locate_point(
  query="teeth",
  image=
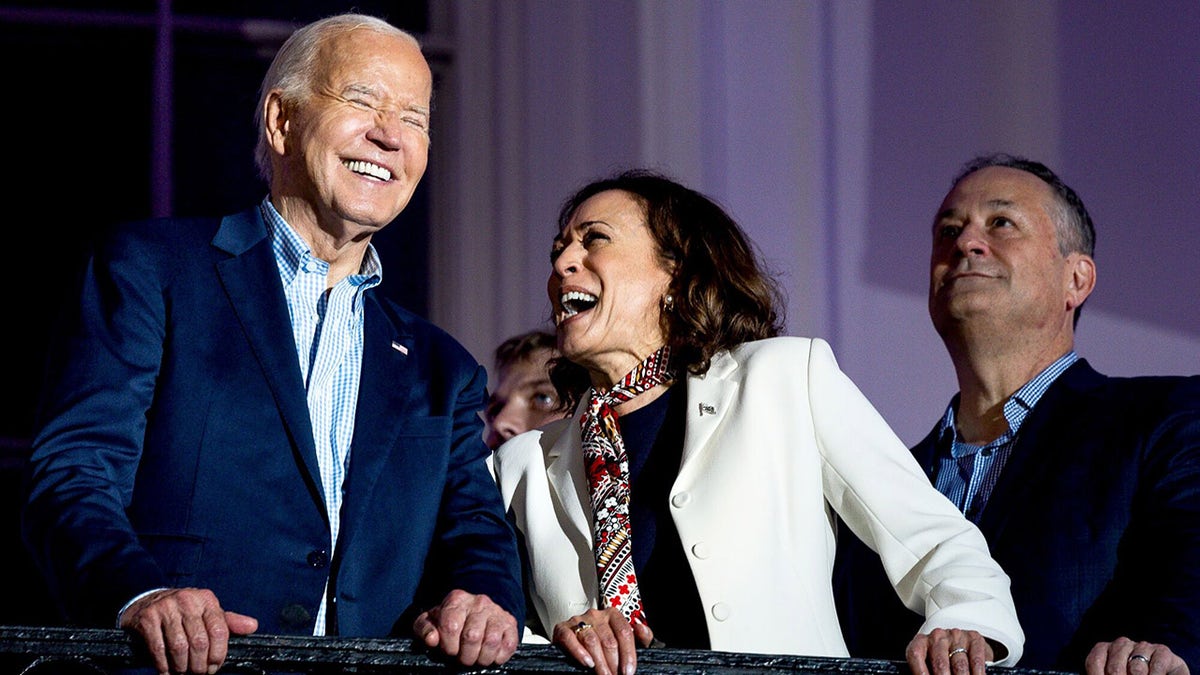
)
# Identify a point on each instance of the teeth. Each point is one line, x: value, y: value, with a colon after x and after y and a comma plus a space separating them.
x: 574, y: 302
x: 369, y: 169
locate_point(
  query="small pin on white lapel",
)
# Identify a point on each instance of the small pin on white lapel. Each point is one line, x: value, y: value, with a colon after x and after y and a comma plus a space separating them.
x: 706, y: 409
x: 400, y: 348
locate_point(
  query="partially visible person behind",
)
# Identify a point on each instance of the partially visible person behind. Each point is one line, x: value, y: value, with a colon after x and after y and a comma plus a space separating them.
x: 523, y: 397
x: 690, y: 499
x: 239, y: 434
x: 1087, y: 487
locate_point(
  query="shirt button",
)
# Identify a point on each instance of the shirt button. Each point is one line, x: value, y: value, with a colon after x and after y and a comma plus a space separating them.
x: 681, y: 500
x: 318, y: 559
x: 700, y: 550
x: 721, y: 611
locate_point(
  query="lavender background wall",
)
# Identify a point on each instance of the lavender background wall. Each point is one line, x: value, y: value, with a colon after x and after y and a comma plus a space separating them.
x: 829, y: 128
x: 831, y: 131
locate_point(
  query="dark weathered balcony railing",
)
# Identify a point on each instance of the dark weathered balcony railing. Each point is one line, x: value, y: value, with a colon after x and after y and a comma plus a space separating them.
x: 65, y: 651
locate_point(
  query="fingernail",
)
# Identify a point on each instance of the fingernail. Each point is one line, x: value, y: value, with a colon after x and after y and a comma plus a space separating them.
x: 587, y: 661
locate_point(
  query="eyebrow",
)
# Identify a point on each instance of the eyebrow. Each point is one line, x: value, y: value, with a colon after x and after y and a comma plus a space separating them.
x: 991, y: 203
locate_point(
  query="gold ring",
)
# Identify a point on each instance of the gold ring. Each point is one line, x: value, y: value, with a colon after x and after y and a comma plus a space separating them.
x: 957, y: 650
x: 580, y: 626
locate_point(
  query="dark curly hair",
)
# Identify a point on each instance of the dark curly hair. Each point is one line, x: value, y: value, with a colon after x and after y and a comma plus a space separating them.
x: 722, y: 295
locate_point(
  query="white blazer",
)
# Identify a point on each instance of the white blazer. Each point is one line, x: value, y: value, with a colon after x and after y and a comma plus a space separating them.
x: 777, y: 441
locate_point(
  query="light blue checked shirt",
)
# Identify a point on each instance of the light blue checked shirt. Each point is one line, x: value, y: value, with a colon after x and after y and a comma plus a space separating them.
x: 328, y: 330
x: 968, y: 472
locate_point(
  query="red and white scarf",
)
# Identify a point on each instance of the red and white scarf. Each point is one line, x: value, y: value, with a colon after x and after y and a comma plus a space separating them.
x: 608, y: 479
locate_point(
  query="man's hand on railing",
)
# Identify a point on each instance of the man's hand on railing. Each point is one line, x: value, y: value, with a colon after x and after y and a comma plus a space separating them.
x: 185, y: 629
x: 1126, y: 657
x: 472, y: 628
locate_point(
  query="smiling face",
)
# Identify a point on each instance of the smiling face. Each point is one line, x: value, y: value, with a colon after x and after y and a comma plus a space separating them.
x: 347, y: 156
x: 607, y: 286
x: 996, y: 260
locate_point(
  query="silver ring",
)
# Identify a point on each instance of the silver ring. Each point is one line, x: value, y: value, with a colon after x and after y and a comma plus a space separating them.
x: 957, y: 650
x: 1139, y: 657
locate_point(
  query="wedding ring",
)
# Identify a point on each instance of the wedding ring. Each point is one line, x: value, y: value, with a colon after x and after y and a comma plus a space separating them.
x: 957, y: 650
x: 1139, y: 657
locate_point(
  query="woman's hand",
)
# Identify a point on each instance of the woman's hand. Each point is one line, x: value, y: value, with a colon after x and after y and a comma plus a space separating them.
x: 943, y: 652
x: 603, y: 640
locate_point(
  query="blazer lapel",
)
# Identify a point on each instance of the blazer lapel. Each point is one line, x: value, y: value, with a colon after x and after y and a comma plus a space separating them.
x: 709, y: 399
x: 386, y: 391
x: 567, y: 475
x: 1029, y: 468
x: 251, y: 281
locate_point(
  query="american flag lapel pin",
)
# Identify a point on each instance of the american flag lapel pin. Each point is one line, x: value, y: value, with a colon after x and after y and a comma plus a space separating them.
x: 400, y: 348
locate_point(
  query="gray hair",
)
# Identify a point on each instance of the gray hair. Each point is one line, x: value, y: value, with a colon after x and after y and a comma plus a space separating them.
x: 295, y: 65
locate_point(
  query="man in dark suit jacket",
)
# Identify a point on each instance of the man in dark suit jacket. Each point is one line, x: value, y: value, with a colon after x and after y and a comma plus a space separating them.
x: 238, y: 434
x: 1086, y: 487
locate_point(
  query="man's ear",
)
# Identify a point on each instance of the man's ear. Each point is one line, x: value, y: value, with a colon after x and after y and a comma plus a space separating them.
x: 276, y: 121
x: 1081, y: 279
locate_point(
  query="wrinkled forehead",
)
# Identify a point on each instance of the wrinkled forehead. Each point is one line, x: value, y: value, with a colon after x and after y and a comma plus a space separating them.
x: 368, y: 55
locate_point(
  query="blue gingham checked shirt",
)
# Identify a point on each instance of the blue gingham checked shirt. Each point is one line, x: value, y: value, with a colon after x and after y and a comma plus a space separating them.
x: 328, y: 330
x: 967, y: 473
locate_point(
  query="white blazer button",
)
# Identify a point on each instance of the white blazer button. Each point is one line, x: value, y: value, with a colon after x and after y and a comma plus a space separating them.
x: 681, y: 500
x: 700, y: 550
x: 721, y: 611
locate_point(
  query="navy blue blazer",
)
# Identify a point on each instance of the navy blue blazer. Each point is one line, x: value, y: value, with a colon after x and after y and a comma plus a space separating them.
x: 175, y: 448
x: 1096, y: 518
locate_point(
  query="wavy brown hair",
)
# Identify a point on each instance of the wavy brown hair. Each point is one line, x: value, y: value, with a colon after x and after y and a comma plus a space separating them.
x: 722, y: 295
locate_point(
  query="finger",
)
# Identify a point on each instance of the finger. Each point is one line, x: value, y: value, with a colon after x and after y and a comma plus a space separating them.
x: 1141, y: 657
x: 917, y: 653
x: 152, y: 633
x: 1096, y: 659
x: 177, y: 643
x: 423, y: 628
x: 979, y: 652
x: 218, y: 639
x: 471, y: 637
x: 449, y: 620
x: 196, y: 633
x: 240, y: 624
x: 602, y: 646
x: 1119, y: 651
x: 642, y: 633
x: 566, y: 636
x: 626, y: 644
x: 508, y: 641
x: 491, y: 643
x: 960, y: 660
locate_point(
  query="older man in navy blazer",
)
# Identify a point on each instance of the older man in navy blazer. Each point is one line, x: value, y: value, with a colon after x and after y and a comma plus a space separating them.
x: 1086, y: 487
x: 239, y: 434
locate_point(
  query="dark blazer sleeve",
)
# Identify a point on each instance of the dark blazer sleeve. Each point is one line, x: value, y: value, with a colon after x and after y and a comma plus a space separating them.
x: 475, y: 548
x: 101, y: 377
x: 418, y: 420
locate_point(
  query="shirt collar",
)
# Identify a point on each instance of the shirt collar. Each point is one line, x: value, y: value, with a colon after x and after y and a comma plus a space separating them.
x: 291, y: 251
x: 1017, y: 407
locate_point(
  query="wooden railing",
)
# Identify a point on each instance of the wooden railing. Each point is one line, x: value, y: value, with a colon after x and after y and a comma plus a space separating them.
x: 65, y: 651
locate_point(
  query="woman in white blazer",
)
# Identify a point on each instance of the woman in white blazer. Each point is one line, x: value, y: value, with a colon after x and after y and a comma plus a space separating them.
x: 691, y: 500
